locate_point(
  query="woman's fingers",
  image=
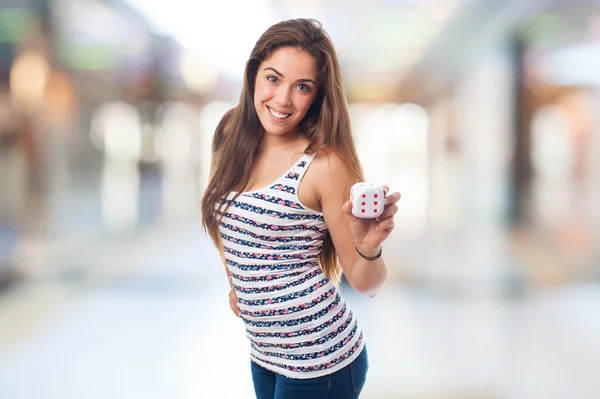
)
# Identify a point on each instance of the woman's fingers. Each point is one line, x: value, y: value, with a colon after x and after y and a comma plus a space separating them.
x: 386, y: 224
x: 234, y: 308
x: 389, y: 211
x: 233, y: 303
x: 386, y: 219
x: 392, y: 198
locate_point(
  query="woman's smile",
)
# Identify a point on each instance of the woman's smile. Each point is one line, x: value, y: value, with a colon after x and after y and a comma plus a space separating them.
x: 278, y: 116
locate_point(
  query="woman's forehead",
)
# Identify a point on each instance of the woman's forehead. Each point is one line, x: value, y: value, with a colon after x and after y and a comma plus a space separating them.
x: 293, y: 63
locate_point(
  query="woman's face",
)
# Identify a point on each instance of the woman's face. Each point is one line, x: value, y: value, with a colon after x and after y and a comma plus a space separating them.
x: 286, y: 86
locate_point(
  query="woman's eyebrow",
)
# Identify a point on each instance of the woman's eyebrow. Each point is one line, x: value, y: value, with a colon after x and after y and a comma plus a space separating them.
x: 280, y: 74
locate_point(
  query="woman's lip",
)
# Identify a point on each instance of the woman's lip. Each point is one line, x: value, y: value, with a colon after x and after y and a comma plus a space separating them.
x: 276, y: 120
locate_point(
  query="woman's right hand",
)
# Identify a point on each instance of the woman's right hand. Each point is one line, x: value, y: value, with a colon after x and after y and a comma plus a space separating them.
x: 233, y: 303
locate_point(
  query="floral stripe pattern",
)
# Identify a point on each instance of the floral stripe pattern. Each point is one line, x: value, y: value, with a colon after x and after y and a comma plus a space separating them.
x: 291, y: 310
x: 310, y: 356
x: 309, y: 331
x: 272, y: 256
x: 281, y: 299
x: 276, y: 247
x: 283, y: 187
x: 279, y: 287
x: 319, y: 341
x: 276, y: 200
x: 311, y: 369
x: 272, y: 213
x: 230, y: 227
x: 271, y: 267
x: 272, y: 227
x: 268, y: 277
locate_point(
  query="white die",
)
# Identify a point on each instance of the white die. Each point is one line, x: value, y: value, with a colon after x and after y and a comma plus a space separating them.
x: 367, y: 200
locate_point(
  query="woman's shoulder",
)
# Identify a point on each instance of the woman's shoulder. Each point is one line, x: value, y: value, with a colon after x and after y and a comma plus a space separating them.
x: 328, y: 159
x: 329, y: 164
x: 328, y: 177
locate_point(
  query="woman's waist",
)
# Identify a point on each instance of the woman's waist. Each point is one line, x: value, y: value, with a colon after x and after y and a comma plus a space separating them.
x: 330, y: 333
x: 280, y: 293
x: 296, y: 318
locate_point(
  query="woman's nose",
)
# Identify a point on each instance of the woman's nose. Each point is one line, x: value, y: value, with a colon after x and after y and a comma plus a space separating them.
x: 283, y: 96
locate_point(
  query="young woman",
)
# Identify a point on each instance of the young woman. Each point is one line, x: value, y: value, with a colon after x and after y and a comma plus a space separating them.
x: 277, y: 208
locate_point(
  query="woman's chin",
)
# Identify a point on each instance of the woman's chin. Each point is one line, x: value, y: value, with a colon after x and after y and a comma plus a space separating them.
x: 272, y: 130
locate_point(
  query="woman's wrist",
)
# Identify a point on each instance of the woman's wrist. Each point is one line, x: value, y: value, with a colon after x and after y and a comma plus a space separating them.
x: 369, y: 253
x: 367, y: 249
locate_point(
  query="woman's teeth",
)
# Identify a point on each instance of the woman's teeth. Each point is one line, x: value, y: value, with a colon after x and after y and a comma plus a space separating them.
x: 277, y: 114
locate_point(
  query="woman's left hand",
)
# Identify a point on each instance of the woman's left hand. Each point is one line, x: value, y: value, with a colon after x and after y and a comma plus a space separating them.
x: 370, y: 233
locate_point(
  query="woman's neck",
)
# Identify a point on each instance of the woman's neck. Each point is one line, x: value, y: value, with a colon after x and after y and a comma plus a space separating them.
x: 286, y: 142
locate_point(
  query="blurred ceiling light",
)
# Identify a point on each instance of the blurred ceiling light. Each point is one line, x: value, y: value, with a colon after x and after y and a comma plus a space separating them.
x: 570, y: 65
x: 116, y: 128
x: 174, y: 144
x: 28, y: 78
x: 552, y: 152
x: 413, y: 118
x: 210, y: 116
x: 120, y: 191
x: 197, y: 74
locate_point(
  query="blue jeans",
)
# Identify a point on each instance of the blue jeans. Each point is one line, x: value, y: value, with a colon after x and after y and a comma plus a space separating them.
x: 345, y: 383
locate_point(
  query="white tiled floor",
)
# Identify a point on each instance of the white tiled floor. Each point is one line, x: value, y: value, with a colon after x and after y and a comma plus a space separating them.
x: 148, y: 318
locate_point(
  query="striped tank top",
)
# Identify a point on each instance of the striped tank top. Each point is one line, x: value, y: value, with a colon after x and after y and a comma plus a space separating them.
x: 297, y: 322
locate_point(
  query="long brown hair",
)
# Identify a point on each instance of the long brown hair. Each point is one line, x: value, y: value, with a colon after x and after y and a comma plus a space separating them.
x: 327, y: 123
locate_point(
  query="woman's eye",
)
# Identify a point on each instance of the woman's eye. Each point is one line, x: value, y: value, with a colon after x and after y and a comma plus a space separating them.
x: 303, y: 87
x: 272, y: 79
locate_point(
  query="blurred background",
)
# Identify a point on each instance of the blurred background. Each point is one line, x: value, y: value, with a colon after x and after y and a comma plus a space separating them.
x: 484, y: 114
